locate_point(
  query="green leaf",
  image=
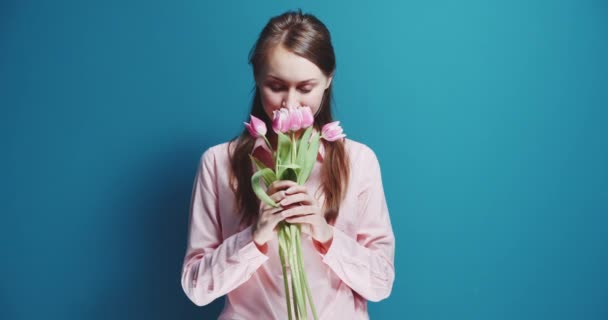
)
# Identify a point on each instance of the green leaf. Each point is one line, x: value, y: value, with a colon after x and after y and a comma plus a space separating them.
x: 283, y: 155
x: 258, y: 164
x: 259, y: 191
x: 303, y: 146
x: 284, y: 148
x: 290, y: 174
x: 268, y: 178
x: 310, y: 159
x: 290, y: 166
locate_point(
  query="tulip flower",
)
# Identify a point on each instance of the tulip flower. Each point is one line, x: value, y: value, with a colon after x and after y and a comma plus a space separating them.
x: 256, y: 127
x: 307, y: 117
x: 332, y: 131
x: 292, y: 119
x: 295, y: 118
x: 280, y: 120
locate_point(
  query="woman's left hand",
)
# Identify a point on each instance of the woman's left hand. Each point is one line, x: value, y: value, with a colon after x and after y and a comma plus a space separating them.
x: 302, y: 208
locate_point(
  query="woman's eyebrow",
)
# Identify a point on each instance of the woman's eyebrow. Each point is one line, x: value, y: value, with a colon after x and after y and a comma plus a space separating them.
x: 301, y: 82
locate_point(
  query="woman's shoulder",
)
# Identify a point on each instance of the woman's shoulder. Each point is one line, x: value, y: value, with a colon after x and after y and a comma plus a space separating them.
x: 359, y: 151
x: 217, y: 153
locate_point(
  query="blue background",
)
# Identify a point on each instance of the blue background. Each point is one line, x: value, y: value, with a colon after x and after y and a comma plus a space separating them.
x: 489, y: 119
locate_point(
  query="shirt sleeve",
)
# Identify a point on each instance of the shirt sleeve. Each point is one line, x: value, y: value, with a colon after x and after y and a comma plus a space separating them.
x: 366, y: 264
x: 214, y: 266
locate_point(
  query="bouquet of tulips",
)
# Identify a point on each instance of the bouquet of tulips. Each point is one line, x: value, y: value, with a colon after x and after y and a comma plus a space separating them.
x: 294, y: 159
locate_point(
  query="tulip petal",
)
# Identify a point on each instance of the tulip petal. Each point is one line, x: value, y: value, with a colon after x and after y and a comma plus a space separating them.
x: 295, y: 119
x: 250, y: 129
x: 285, y: 125
x: 258, y: 125
x: 307, y: 117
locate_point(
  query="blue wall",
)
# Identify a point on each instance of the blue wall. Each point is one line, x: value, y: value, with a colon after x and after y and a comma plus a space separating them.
x: 489, y: 119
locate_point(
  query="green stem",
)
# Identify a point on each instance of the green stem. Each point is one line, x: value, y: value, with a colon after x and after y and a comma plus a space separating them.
x: 295, y: 274
x: 305, y: 282
x: 282, y: 252
x: 294, y: 295
x: 293, y: 147
x: 267, y: 143
x: 297, y: 270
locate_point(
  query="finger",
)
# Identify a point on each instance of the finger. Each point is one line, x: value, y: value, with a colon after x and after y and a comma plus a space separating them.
x: 299, y: 210
x: 280, y: 185
x: 276, y: 219
x: 308, y: 219
x: 267, y: 210
x: 278, y: 196
x: 297, y: 189
x: 303, y: 198
x: 272, y: 218
x: 272, y: 211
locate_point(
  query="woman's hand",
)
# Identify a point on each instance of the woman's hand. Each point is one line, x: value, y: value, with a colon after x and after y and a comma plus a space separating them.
x: 296, y: 206
x: 302, y: 208
x: 269, y: 217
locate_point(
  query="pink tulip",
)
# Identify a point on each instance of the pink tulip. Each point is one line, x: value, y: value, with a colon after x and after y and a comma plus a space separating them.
x: 280, y: 120
x: 292, y: 119
x: 256, y: 127
x: 307, y: 117
x: 295, y: 118
x: 332, y: 131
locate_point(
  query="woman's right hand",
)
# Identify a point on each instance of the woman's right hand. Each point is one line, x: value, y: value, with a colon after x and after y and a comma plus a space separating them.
x: 269, y: 217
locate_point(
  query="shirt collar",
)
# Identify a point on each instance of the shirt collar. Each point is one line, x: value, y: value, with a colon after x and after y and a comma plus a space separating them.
x: 260, y: 143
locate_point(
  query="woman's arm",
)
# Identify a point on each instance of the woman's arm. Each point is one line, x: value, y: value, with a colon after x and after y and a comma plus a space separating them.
x: 366, y: 264
x: 214, y: 266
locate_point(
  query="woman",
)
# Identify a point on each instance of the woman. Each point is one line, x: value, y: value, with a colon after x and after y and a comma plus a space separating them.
x: 347, y: 241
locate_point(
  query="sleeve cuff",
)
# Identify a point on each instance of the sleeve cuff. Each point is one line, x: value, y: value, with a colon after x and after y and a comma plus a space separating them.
x: 337, y: 241
x: 321, y: 247
x: 247, y: 249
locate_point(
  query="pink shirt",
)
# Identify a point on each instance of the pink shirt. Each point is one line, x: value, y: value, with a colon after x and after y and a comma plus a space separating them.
x: 222, y: 259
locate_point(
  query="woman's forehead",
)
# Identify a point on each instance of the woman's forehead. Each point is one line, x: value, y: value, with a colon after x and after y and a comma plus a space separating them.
x: 287, y: 66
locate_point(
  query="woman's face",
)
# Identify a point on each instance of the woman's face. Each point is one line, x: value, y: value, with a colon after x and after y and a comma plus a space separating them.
x: 290, y: 80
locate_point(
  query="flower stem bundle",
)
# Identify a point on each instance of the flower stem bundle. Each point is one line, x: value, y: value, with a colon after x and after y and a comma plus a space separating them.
x: 294, y: 159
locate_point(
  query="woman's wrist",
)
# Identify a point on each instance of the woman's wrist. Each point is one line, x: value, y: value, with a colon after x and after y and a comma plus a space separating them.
x: 262, y: 247
x: 323, y: 245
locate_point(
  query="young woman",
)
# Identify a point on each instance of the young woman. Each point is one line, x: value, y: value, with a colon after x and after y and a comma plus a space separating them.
x: 347, y: 242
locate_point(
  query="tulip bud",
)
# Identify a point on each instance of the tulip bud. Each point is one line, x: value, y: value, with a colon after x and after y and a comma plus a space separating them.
x: 280, y: 121
x: 256, y: 127
x: 332, y: 131
x: 307, y: 117
x: 295, y: 118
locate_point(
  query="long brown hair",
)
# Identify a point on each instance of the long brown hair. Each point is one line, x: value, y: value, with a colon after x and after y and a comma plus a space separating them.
x: 306, y: 36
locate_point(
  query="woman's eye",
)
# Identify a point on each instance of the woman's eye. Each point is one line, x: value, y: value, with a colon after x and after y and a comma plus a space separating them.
x: 279, y: 88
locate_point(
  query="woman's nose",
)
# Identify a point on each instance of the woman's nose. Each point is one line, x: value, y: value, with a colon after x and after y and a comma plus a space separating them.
x: 290, y: 99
